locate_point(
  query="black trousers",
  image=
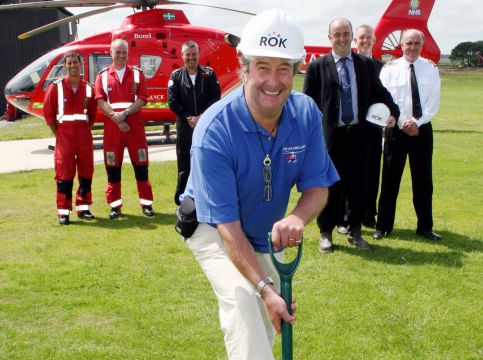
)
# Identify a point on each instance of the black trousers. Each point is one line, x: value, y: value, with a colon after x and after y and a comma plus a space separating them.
x: 397, y: 147
x: 184, y: 135
x: 348, y: 155
x: 373, y: 141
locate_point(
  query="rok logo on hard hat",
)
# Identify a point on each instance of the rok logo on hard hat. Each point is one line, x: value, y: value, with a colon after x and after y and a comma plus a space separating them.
x: 260, y: 37
x: 378, y: 114
x: 273, y: 41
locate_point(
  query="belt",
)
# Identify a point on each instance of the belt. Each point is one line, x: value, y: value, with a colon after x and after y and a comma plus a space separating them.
x: 348, y: 128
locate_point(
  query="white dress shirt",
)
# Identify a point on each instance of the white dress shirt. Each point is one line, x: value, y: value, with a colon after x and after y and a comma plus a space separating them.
x: 396, y: 75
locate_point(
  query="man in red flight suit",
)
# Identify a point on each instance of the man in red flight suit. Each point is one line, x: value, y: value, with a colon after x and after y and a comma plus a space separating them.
x: 121, y: 93
x: 69, y: 110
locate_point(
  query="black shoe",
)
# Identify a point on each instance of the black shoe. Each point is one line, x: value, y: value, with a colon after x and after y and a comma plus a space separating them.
x: 358, y: 242
x: 369, y: 222
x: 429, y: 234
x: 86, y: 215
x: 380, y: 234
x: 64, y: 220
x: 148, y: 210
x: 115, y: 213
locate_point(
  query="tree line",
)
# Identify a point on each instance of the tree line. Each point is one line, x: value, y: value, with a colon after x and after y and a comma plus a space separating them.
x: 468, y: 53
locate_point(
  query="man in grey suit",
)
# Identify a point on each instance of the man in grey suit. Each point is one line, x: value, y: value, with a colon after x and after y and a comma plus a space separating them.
x: 344, y: 84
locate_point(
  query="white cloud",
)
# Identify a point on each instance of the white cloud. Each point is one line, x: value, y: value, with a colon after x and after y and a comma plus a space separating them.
x: 451, y: 21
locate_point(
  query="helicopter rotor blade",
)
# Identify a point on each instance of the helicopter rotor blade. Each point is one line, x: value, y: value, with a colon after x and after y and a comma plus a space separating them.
x: 58, y: 23
x: 111, y: 4
x: 167, y: 2
x: 59, y: 4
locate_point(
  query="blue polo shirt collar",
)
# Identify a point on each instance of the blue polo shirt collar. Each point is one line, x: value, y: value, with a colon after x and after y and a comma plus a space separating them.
x: 247, y: 123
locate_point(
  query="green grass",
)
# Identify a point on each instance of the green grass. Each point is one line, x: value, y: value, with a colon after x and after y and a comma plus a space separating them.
x: 131, y: 289
x: 29, y: 127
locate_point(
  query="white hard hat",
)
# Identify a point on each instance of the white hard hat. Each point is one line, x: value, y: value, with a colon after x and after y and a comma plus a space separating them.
x: 272, y: 33
x: 378, y: 114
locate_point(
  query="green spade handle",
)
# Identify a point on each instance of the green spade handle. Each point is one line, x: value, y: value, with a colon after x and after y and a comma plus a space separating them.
x: 286, y: 272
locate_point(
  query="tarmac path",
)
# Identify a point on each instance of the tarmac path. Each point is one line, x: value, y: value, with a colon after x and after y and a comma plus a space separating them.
x: 25, y: 155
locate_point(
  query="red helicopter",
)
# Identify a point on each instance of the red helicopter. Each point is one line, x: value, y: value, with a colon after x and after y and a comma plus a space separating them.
x: 155, y: 37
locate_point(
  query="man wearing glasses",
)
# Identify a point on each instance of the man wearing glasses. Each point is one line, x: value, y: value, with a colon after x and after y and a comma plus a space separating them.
x: 249, y: 150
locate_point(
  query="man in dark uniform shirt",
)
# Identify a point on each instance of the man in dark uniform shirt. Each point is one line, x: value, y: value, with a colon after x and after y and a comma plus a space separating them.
x: 191, y: 90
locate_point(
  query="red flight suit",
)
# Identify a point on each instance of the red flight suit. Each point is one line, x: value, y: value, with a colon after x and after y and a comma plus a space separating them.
x: 73, y: 114
x: 120, y: 95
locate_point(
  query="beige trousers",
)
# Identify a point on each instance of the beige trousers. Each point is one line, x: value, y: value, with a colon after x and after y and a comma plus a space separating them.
x: 249, y: 334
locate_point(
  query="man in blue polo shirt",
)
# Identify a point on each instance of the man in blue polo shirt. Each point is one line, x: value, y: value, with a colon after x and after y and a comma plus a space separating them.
x: 248, y: 151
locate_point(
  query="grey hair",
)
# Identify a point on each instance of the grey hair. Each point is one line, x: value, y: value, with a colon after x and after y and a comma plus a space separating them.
x: 119, y: 42
x: 366, y: 27
x: 419, y: 32
x: 188, y: 45
x: 245, y: 62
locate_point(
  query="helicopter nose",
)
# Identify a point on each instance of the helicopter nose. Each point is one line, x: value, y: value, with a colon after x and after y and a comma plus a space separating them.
x: 19, y: 84
x: 17, y: 89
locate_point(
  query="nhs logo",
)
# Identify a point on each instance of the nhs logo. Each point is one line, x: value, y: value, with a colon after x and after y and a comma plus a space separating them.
x: 415, y: 10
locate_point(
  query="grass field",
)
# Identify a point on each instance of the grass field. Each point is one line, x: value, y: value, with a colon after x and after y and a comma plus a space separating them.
x: 130, y: 289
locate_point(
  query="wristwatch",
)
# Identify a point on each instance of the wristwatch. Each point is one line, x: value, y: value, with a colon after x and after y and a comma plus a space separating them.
x: 126, y: 113
x: 261, y: 284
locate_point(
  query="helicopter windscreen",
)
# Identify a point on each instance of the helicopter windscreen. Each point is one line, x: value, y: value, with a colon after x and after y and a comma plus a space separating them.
x: 27, y: 79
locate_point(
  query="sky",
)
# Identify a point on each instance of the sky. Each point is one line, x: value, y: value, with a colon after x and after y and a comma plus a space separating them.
x: 451, y: 21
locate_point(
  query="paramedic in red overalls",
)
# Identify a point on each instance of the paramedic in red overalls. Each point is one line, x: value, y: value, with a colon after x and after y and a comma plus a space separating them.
x: 121, y: 93
x: 70, y: 110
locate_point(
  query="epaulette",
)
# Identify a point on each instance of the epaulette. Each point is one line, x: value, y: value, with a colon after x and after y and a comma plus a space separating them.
x: 57, y: 81
x: 105, y: 69
x: 137, y: 68
x: 207, y: 71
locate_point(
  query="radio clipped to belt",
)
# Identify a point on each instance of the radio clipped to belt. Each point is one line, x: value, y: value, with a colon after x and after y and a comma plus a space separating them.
x: 187, y: 222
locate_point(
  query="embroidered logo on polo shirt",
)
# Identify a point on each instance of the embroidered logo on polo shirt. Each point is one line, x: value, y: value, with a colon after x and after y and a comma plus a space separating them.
x: 291, y: 158
x: 291, y: 153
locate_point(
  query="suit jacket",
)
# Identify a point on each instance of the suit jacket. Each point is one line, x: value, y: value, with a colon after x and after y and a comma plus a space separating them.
x: 377, y: 65
x: 322, y: 84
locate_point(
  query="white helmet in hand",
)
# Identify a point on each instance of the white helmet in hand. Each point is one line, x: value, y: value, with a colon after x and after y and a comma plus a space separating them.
x: 378, y: 114
x: 272, y: 33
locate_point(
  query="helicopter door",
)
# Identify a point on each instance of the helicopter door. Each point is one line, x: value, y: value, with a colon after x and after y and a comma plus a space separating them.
x: 97, y: 62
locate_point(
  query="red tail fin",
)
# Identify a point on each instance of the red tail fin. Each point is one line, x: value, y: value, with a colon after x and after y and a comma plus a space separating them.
x: 400, y: 15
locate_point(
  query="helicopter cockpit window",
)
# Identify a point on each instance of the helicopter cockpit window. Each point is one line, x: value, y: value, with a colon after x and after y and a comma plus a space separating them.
x: 150, y: 65
x: 97, y: 62
x: 27, y: 79
x: 58, y: 71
